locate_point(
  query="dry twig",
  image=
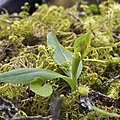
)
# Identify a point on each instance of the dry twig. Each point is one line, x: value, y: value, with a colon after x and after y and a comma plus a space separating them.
x: 111, y: 80
x: 39, y: 117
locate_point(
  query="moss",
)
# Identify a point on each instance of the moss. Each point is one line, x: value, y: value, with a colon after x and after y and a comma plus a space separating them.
x: 114, y: 90
x: 23, y: 44
x: 11, y: 91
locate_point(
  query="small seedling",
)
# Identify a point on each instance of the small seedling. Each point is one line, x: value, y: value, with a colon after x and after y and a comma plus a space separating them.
x: 37, y: 77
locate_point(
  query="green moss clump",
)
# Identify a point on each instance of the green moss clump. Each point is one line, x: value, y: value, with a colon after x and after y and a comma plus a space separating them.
x: 23, y: 44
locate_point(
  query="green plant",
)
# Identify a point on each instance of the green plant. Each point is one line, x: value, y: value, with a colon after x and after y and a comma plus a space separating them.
x: 37, y: 77
x: 104, y: 112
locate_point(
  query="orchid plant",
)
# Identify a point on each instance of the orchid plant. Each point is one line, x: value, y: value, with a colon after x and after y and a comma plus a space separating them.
x: 37, y: 77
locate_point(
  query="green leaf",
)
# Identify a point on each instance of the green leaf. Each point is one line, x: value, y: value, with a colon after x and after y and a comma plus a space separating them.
x: 26, y: 75
x: 79, y: 70
x: 43, y: 90
x: 104, y: 112
x: 60, y: 55
x: 80, y: 46
x: 82, y: 43
x: 76, y: 66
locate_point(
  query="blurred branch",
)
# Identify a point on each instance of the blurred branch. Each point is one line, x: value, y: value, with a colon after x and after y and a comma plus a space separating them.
x: 76, y: 17
x: 32, y: 117
x: 111, y: 80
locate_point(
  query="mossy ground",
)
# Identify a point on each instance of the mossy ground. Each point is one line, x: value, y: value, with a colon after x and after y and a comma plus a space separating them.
x: 23, y: 44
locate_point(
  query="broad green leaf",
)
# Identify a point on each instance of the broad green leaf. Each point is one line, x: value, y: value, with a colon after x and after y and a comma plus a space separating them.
x: 82, y: 43
x: 39, y: 88
x: 60, y: 55
x: 104, y: 112
x: 26, y: 75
